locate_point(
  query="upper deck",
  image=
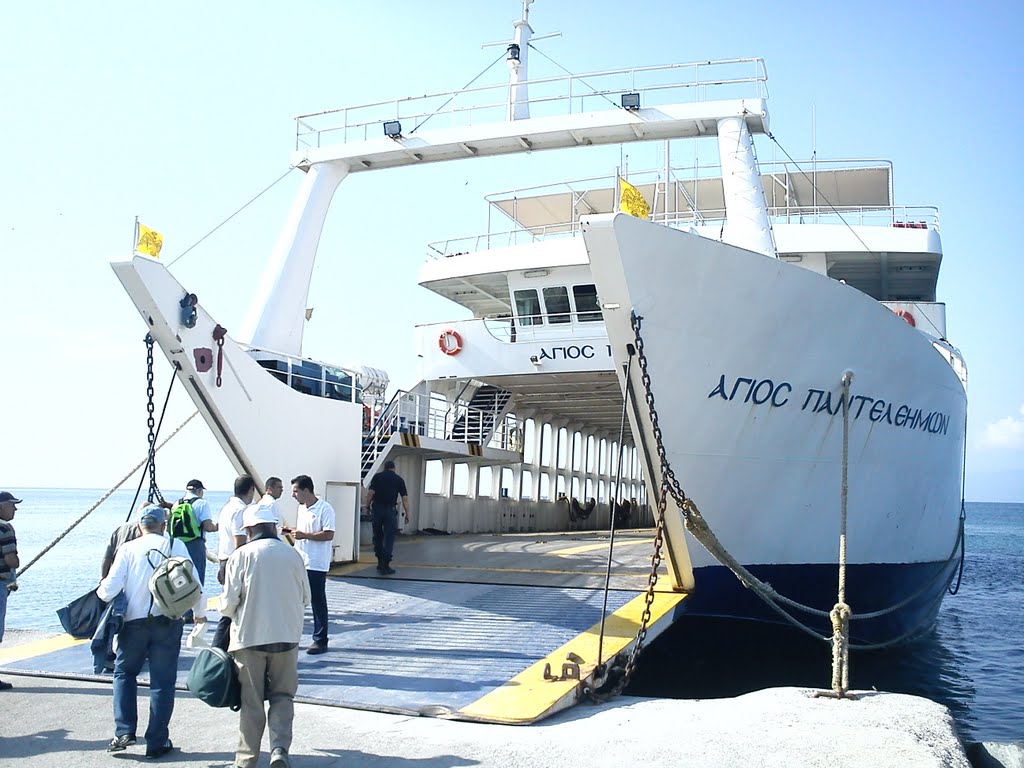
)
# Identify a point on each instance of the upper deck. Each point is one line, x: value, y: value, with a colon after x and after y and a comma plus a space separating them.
x: 837, y: 217
x: 607, y: 107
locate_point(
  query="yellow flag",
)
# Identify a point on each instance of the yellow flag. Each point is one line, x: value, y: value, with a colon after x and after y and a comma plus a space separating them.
x: 150, y: 242
x: 631, y: 201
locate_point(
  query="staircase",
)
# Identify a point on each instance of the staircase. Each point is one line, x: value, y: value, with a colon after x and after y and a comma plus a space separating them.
x: 476, y: 423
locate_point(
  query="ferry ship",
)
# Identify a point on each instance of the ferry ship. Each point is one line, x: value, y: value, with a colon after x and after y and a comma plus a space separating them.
x: 785, y: 313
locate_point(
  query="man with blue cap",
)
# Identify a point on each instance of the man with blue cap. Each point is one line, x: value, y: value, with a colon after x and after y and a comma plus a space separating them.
x: 146, y: 635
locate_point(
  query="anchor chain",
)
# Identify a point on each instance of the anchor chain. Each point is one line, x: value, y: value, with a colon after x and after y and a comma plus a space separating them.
x: 154, y: 494
x: 218, y: 335
x: 616, y: 675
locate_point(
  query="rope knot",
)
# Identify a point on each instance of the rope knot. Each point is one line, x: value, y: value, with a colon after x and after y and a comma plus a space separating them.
x: 840, y: 616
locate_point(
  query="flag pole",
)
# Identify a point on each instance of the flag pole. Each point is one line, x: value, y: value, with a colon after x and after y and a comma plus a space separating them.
x: 135, y: 239
x: 617, y: 192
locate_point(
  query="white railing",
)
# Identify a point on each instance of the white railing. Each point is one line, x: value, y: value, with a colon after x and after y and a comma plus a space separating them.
x: 568, y: 94
x: 897, y: 216
x: 526, y: 328
x: 424, y: 415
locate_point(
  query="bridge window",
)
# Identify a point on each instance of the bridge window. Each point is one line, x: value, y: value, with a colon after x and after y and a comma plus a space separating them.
x: 545, y: 487
x: 556, y: 302
x: 563, y: 447
x: 485, y: 481
x: 432, y: 475
x: 527, y: 492
x: 587, y: 308
x: 529, y: 440
x: 460, y: 476
x: 528, y: 308
x: 278, y: 369
x: 307, y: 378
x: 339, y: 384
x: 545, y: 445
x: 577, y: 451
x: 506, y: 482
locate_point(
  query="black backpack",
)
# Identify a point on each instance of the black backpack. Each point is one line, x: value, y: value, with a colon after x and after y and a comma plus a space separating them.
x: 213, y: 679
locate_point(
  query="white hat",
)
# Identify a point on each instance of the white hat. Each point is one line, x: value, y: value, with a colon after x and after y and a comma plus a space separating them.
x: 255, y: 514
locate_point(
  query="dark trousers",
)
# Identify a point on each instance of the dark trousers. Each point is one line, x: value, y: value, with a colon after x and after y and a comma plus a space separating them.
x: 318, y: 602
x: 158, y: 641
x: 197, y: 554
x: 385, y: 524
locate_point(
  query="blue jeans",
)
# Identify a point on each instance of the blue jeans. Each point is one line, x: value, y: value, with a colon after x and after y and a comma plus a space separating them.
x: 3, y: 606
x: 157, y: 639
x: 385, y: 524
x: 197, y: 553
x: 318, y: 602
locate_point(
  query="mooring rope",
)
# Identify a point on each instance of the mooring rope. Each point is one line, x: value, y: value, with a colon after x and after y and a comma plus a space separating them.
x: 104, y: 497
x: 841, y: 611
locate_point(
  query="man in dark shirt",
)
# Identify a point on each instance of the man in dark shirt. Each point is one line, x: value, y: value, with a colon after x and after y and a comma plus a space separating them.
x: 382, y: 499
x: 9, y: 562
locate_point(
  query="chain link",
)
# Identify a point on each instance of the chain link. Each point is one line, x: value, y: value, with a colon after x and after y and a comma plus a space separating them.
x: 154, y: 490
x: 612, y: 687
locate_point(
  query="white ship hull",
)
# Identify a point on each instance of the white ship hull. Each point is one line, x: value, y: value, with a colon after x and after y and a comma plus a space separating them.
x: 746, y: 355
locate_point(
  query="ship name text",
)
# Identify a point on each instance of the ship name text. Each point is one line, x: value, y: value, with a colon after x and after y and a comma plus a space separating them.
x: 876, y: 409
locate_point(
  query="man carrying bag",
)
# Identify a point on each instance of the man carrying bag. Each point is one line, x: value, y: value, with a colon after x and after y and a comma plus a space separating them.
x: 265, y: 595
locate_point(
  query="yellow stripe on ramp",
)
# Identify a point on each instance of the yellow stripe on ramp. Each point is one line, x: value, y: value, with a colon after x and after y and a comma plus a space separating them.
x: 527, y: 697
x: 38, y: 648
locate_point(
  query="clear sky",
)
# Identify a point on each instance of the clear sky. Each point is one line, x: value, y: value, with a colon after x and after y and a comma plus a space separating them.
x: 181, y: 112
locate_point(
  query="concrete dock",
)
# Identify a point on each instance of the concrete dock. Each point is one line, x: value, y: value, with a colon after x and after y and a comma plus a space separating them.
x: 50, y: 722
x: 456, y: 635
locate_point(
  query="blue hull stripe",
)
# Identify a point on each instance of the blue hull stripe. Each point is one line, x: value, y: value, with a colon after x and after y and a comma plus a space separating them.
x: 869, y: 588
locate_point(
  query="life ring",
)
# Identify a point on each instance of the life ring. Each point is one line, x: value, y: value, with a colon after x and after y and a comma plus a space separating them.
x: 906, y: 316
x: 450, y: 342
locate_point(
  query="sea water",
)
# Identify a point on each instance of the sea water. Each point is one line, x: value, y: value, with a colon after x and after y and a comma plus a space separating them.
x: 973, y: 662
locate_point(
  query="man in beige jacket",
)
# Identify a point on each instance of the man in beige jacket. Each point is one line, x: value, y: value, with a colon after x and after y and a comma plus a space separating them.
x: 265, y: 595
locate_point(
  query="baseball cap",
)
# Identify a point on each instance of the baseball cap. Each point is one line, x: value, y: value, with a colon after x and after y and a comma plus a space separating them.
x: 152, y: 513
x: 8, y: 496
x: 195, y: 485
x: 255, y: 514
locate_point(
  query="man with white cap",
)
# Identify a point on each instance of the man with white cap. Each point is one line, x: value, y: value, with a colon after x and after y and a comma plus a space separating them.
x: 266, y: 592
x: 146, y: 635
x: 9, y: 562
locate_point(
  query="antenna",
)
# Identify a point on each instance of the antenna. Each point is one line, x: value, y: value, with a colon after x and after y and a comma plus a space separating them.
x: 518, y: 53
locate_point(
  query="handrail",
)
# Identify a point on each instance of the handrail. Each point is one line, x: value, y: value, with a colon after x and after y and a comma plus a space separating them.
x: 567, y: 89
x: 897, y: 216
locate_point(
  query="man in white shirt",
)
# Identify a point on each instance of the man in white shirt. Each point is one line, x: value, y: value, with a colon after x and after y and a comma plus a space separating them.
x: 266, y: 592
x: 314, y: 534
x: 145, y: 636
x: 275, y: 488
x: 230, y: 536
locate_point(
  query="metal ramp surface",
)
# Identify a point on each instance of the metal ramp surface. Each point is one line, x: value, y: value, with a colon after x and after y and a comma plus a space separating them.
x: 443, y: 645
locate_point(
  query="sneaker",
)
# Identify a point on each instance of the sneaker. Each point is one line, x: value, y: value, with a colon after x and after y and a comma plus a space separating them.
x: 279, y: 758
x: 316, y: 647
x: 121, y: 743
x: 387, y: 570
x: 153, y: 754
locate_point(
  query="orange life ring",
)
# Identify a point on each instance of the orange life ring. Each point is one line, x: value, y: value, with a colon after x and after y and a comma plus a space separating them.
x: 450, y: 342
x: 906, y: 316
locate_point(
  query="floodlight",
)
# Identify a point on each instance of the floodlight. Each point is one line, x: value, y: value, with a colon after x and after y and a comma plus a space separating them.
x: 393, y: 129
x: 631, y: 101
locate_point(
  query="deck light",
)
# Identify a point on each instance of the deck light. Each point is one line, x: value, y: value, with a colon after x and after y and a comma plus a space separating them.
x: 630, y: 101
x: 513, y: 52
x: 393, y: 129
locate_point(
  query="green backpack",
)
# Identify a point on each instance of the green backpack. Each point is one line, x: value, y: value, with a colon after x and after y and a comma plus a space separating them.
x: 183, y: 523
